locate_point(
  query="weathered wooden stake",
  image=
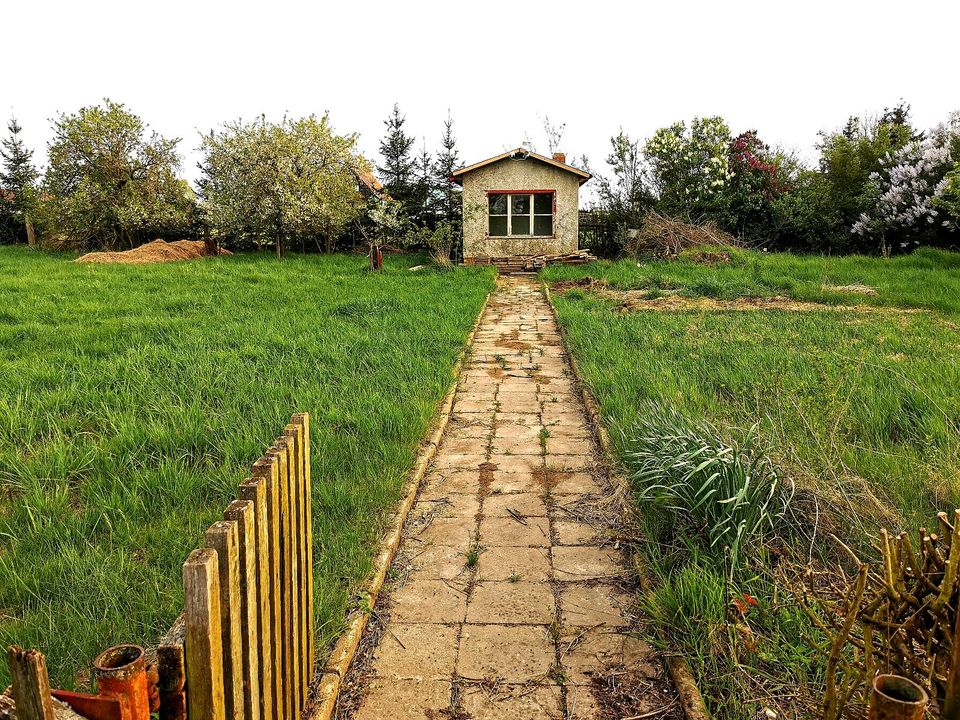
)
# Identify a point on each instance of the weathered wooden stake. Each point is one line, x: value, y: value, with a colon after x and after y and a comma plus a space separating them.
x: 287, y: 508
x: 268, y: 468
x: 294, y: 432
x: 304, y: 420
x: 242, y: 512
x: 255, y: 491
x: 223, y: 537
x: 31, y: 684
x: 172, y: 672
x: 204, y: 647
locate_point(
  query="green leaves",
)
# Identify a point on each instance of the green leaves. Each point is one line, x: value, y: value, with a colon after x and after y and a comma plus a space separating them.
x: 728, y: 488
x: 266, y: 182
x: 111, y: 184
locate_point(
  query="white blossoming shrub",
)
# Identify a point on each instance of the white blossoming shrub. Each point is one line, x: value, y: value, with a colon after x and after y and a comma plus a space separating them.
x: 907, y: 189
x: 689, y: 169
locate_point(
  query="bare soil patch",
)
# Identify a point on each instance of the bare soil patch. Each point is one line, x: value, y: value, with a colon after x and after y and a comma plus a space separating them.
x: 645, y: 300
x: 157, y: 251
x: 855, y: 288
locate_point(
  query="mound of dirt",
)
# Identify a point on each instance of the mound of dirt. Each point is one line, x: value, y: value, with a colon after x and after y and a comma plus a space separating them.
x: 157, y: 251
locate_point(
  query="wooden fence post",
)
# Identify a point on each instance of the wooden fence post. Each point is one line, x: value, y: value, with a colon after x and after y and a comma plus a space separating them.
x: 242, y: 513
x: 223, y: 537
x: 304, y: 421
x: 294, y: 435
x: 287, y: 505
x: 31, y: 684
x: 255, y: 490
x: 201, y: 609
x: 172, y: 671
x: 268, y: 469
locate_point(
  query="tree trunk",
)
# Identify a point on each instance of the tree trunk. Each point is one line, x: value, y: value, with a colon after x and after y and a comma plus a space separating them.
x: 31, y: 236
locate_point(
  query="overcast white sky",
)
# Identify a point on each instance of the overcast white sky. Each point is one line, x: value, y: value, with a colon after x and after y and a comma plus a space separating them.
x: 787, y: 69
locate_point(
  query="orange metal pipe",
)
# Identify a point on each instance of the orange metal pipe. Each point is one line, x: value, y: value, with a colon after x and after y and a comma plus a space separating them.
x: 122, y: 679
x: 122, y: 673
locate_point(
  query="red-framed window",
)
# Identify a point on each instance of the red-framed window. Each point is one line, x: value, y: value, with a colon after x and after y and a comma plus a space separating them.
x: 521, y: 213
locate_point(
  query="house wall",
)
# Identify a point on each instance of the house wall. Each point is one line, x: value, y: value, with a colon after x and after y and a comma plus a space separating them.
x: 519, y: 174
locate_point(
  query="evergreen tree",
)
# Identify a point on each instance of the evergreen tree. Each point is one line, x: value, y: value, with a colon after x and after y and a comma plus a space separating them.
x: 447, y: 161
x: 424, y: 200
x: 399, y: 166
x: 18, y: 179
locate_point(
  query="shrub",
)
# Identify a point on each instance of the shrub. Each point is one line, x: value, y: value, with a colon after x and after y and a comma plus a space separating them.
x: 691, y: 168
x: 904, y: 191
x: 728, y: 488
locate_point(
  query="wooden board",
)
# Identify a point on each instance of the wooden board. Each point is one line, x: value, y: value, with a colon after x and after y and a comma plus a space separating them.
x: 223, y: 537
x: 268, y: 468
x: 255, y: 490
x: 201, y: 610
x: 242, y: 513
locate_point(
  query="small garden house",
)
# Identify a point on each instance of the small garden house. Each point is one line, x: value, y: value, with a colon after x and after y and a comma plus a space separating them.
x: 519, y: 203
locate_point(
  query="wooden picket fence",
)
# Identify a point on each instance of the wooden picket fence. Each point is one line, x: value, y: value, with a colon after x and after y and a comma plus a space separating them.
x: 243, y: 649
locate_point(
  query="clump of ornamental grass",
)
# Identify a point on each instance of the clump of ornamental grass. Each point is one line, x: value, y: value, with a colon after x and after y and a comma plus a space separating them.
x: 727, y: 487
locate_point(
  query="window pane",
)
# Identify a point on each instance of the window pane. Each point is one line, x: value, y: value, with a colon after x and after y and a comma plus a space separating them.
x: 498, y: 225
x: 498, y: 205
x: 520, y: 225
x: 543, y: 225
x: 520, y: 205
x: 543, y: 204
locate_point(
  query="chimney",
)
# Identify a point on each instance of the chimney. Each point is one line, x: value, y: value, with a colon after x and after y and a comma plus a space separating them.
x: 560, y: 157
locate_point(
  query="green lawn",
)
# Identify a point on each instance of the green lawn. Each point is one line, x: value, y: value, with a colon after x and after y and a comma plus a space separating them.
x: 861, y: 406
x: 134, y: 398
x: 855, y: 400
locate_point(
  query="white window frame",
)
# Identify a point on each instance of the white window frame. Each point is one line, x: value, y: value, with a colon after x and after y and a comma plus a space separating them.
x: 533, y: 215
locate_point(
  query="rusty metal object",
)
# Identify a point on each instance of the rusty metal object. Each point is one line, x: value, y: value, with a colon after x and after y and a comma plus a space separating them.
x: 896, y: 698
x: 124, y: 691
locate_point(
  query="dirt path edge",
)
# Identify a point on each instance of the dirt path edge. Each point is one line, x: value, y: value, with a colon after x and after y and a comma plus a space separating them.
x: 325, y: 686
x: 679, y: 668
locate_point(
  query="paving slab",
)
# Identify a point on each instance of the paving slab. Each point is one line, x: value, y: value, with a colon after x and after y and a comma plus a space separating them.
x: 512, y: 603
x: 510, y: 653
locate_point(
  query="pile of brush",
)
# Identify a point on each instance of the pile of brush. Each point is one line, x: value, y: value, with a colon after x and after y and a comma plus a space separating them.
x: 663, y: 237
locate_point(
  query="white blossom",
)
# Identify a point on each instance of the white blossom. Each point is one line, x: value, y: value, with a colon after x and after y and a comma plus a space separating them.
x: 907, y: 184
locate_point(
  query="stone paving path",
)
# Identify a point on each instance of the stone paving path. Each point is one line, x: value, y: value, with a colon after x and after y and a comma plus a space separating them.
x: 505, y: 604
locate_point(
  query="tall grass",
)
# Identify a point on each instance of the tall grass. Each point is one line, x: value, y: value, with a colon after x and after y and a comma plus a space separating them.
x: 134, y: 398
x: 726, y: 486
x: 862, y: 406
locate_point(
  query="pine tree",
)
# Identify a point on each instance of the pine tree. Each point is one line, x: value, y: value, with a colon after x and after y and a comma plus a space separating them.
x: 18, y: 178
x: 447, y: 161
x: 398, y: 169
x: 424, y: 198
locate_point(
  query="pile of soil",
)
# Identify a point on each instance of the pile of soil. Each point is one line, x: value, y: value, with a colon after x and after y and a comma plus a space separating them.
x: 156, y: 251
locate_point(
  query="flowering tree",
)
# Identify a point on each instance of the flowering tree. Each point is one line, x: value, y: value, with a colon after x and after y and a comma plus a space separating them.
x: 755, y: 180
x: 906, y: 191
x: 690, y: 169
x: 267, y: 183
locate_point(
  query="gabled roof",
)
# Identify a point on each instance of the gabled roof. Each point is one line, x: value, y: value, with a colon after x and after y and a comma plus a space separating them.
x: 519, y: 153
x: 364, y: 174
